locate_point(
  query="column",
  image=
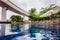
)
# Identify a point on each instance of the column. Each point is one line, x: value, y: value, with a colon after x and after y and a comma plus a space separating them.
x: 3, y: 18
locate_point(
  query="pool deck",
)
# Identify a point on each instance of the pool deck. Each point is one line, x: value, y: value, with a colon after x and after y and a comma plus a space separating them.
x: 50, y: 22
x: 1, y: 22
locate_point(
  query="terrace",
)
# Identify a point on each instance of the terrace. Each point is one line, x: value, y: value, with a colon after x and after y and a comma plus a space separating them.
x: 29, y: 24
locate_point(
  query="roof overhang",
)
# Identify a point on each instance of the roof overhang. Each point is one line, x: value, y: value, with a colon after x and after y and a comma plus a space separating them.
x: 14, y: 8
x: 54, y: 11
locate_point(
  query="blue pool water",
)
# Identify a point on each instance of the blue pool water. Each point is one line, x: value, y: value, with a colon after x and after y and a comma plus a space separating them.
x: 31, y: 32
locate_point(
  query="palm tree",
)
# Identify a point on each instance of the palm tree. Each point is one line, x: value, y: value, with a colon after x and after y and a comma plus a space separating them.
x: 36, y: 17
x: 32, y: 14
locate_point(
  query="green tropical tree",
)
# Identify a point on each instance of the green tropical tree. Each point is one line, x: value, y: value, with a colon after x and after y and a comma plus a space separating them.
x: 34, y: 16
x: 58, y: 14
x: 44, y: 10
x: 16, y: 27
x: 16, y: 18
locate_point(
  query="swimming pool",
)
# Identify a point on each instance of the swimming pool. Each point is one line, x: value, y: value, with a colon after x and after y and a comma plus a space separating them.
x: 30, y: 32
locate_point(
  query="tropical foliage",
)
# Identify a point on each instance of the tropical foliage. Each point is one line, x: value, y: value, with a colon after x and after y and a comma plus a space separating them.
x: 16, y: 18
x: 34, y: 16
x: 16, y: 27
x: 44, y: 11
x: 58, y: 14
x: 53, y: 16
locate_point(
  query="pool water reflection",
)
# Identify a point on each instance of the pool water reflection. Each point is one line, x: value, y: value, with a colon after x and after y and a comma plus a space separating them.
x: 33, y: 32
x: 15, y: 27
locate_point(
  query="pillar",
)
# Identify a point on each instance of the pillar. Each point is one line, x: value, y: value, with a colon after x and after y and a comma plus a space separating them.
x: 3, y: 18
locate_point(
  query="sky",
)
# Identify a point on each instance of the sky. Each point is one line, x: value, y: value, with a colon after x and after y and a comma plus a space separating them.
x: 38, y: 4
x: 28, y: 4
